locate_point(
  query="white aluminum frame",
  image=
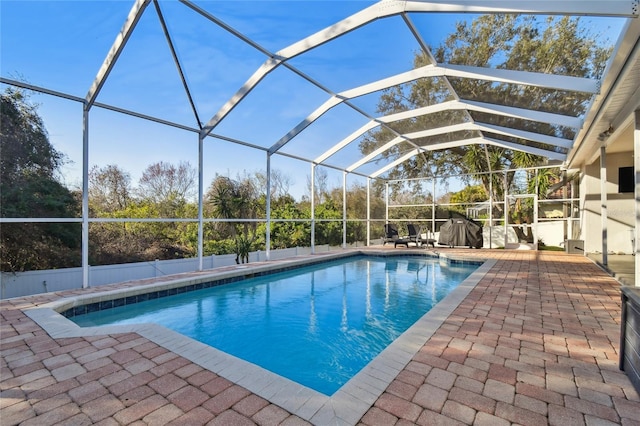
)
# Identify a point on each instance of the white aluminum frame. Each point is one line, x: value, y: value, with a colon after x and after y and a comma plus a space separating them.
x: 381, y: 10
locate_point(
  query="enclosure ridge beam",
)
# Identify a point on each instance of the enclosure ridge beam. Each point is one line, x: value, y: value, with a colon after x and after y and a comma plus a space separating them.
x: 452, y: 144
x: 523, y: 134
x: 429, y: 178
x: 269, y: 65
x: 529, y: 149
x: 503, y: 76
x: 400, y: 160
x: 346, y: 96
x: 477, y: 106
x: 503, y: 144
x: 116, y: 49
x: 264, y: 69
x: 394, y: 80
x: 386, y: 8
x: 347, y: 25
x: 525, y: 114
x: 460, y: 142
x: 378, y: 10
x: 417, y: 112
x: 276, y: 148
x: 399, y: 139
x: 441, y: 130
x: 615, y: 8
x: 432, y: 59
x: 393, y: 142
x: 381, y: 9
x: 528, y: 78
x: 514, y: 112
x: 365, y: 89
x: 317, y: 113
x: 346, y: 141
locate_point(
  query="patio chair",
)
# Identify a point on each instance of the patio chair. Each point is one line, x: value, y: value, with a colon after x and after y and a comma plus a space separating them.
x: 390, y: 233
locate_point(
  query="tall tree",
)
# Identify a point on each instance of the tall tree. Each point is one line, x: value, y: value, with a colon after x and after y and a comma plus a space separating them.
x: 109, y: 188
x: 280, y: 183
x: 236, y: 200
x: 29, y: 187
x: 321, y: 188
x: 163, y: 192
x: 168, y: 185
x: 555, y: 45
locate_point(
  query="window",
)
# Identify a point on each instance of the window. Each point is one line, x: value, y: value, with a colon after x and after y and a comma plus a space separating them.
x: 626, y: 181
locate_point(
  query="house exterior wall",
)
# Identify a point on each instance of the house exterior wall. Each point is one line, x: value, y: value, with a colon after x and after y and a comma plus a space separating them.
x: 620, y: 207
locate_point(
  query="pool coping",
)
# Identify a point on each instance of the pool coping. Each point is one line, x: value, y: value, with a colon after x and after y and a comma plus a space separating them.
x: 345, y: 406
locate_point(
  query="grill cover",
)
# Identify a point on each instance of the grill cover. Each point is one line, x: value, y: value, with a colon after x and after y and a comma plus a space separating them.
x: 461, y: 232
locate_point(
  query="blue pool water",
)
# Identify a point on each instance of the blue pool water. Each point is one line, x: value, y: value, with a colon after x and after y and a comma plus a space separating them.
x: 317, y: 325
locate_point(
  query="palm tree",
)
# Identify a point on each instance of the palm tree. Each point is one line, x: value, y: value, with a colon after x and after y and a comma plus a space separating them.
x: 236, y: 200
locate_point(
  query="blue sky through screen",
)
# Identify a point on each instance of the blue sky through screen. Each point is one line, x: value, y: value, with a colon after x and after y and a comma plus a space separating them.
x: 61, y: 45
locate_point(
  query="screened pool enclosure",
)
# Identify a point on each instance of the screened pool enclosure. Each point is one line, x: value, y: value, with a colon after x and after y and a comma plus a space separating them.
x: 374, y: 95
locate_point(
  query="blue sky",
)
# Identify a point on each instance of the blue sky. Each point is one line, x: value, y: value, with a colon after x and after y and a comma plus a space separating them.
x: 62, y: 44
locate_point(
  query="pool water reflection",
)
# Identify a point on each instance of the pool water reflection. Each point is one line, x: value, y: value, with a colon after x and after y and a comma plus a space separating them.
x: 317, y: 325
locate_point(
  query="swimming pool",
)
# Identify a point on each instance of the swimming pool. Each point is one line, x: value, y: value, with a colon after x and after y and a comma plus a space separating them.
x: 317, y: 325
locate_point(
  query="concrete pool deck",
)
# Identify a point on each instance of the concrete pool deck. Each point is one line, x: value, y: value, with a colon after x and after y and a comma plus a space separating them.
x: 535, y: 341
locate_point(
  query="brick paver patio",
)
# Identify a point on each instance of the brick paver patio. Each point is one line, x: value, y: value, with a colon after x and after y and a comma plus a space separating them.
x: 536, y: 342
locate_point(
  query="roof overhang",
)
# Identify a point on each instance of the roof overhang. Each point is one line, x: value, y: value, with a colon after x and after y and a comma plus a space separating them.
x: 612, y: 110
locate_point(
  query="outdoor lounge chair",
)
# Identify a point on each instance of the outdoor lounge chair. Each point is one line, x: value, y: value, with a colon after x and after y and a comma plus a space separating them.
x: 414, y: 234
x: 390, y: 233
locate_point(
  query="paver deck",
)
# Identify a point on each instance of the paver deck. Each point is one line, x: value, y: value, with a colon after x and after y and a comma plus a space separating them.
x: 535, y: 342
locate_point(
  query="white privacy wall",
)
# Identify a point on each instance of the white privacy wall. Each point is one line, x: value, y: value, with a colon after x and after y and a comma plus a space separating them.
x: 36, y: 282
